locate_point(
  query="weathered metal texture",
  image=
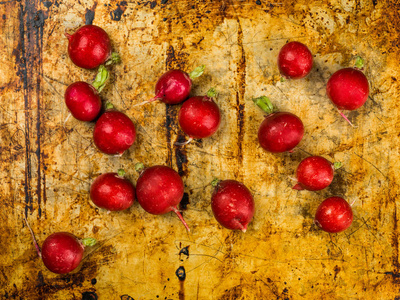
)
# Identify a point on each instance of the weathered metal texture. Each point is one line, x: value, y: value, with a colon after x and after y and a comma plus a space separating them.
x: 47, y: 164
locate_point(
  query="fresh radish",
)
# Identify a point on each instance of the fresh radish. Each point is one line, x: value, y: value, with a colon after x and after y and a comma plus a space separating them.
x: 112, y: 191
x: 199, y: 117
x: 159, y: 190
x: 83, y: 100
x: 348, y: 89
x: 114, y: 132
x: 280, y: 131
x: 295, y: 60
x: 232, y: 204
x: 62, y: 251
x: 315, y: 173
x: 334, y: 214
x: 174, y: 86
x: 90, y: 47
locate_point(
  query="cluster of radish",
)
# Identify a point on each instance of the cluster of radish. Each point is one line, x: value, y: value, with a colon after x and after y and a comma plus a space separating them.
x: 160, y: 189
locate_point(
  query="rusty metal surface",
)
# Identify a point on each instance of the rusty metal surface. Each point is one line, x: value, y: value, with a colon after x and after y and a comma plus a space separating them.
x: 47, y: 166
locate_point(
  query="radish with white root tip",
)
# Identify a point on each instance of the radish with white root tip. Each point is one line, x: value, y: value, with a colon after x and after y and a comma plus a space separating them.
x: 315, y: 173
x: 82, y: 98
x: 174, y: 86
x: 348, y: 88
x: 159, y: 190
x: 280, y: 131
x: 61, y: 252
x: 199, y: 117
x: 232, y: 204
x: 333, y: 215
x: 90, y: 47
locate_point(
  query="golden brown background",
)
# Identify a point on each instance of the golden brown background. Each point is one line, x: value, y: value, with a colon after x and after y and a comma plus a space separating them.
x: 47, y: 165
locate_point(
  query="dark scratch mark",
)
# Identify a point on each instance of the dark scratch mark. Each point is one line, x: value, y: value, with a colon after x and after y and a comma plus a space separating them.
x: 119, y: 12
x: 371, y: 164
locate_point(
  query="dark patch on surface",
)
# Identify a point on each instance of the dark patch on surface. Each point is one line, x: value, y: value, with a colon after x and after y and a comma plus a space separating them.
x: 337, y: 270
x: 258, y: 2
x: 241, y: 89
x: 89, y: 17
x: 164, y: 1
x: 394, y: 275
x: 38, y: 19
x: 180, y: 156
x: 374, y: 2
x: 89, y: 296
x: 153, y: 4
x: 235, y: 292
x: 119, y: 12
x: 93, y: 281
x: 338, y: 185
x: 47, y: 4
x: 184, y: 251
x: 181, y: 273
x: 126, y: 297
x: 184, y: 202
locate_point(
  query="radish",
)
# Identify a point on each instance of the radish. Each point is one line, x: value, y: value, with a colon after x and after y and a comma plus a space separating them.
x: 199, y: 117
x: 315, y: 173
x: 334, y: 214
x: 90, y: 47
x: 295, y: 60
x: 174, y: 86
x: 348, y: 89
x: 83, y: 100
x: 112, y: 191
x: 114, y: 132
x: 61, y: 252
x: 232, y: 204
x: 280, y: 131
x: 159, y: 190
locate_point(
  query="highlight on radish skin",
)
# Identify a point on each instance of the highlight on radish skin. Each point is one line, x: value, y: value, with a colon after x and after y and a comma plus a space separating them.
x: 199, y: 117
x: 159, y: 190
x: 61, y: 252
x: 333, y: 215
x: 315, y: 173
x: 83, y: 100
x: 90, y: 46
x: 232, y: 204
x: 174, y: 86
x: 280, y: 131
x: 348, y: 89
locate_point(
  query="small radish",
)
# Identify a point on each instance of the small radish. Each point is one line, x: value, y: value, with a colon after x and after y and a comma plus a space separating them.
x: 83, y: 100
x: 114, y: 132
x: 315, y: 173
x: 295, y: 60
x: 90, y: 47
x: 334, y: 214
x: 159, y: 190
x: 348, y: 89
x: 112, y: 191
x: 199, y: 117
x: 280, y: 131
x: 232, y: 204
x: 61, y: 252
x: 174, y: 86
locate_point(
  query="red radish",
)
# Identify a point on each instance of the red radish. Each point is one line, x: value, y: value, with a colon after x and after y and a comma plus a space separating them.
x: 334, y: 214
x: 114, y: 132
x: 174, y: 86
x: 83, y: 100
x: 112, y: 191
x: 232, y: 204
x: 315, y: 173
x: 159, y: 190
x: 62, y: 251
x: 295, y: 60
x: 90, y: 47
x: 199, y: 117
x: 348, y: 89
x: 280, y: 131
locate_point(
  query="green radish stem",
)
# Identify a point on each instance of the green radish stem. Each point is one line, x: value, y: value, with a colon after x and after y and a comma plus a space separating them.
x: 337, y: 165
x: 101, y: 78
x: 139, y: 167
x: 121, y: 173
x: 109, y: 105
x: 212, y: 93
x: 197, y: 72
x: 359, y: 62
x: 88, y: 242
x: 264, y: 103
x: 114, y: 59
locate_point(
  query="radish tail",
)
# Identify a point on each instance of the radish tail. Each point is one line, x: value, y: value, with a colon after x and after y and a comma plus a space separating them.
x: 147, y: 101
x: 184, y: 143
x: 175, y: 210
x: 67, y: 35
x: 39, y: 252
x: 351, y: 204
x: 69, y: 115
x: 344, y: 117
x: 297, y: 187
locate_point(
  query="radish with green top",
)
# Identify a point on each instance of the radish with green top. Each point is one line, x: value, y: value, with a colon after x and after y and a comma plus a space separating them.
x: 232, y: 204
x: 280, y: 131
x: 315, y: 173
x: 174, y: 86
x: 159, y: 190
x: 112, y: 191
x: 199, y: 116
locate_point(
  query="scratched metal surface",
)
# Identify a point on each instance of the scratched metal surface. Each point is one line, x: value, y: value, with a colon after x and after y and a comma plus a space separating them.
x: 47, y: 166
